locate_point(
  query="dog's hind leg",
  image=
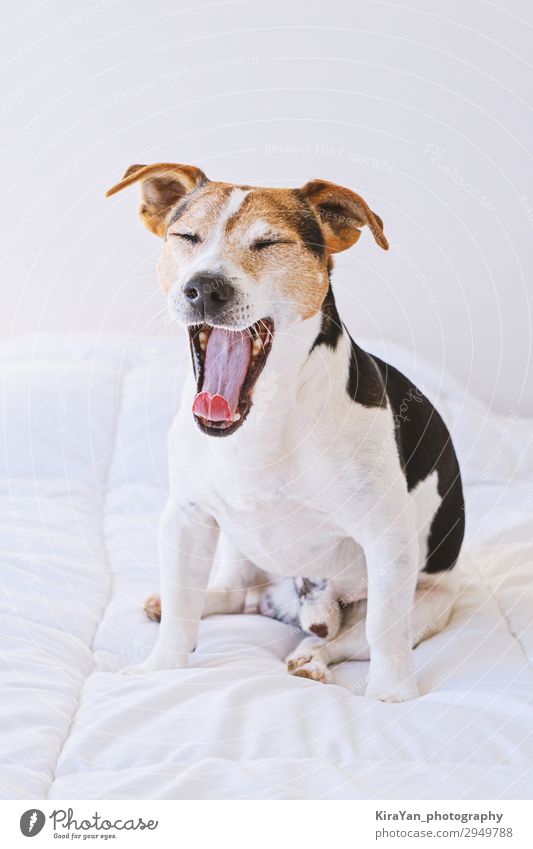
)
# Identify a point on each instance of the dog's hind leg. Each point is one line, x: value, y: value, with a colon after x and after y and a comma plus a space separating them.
x: 434, y: 598
x: 233, y: 576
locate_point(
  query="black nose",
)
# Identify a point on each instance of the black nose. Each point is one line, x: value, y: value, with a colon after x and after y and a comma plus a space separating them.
x: 210, y: 293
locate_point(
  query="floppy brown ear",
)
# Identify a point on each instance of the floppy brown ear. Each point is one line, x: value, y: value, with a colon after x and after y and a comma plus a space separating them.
x: 341, y: 214
x: 162, y: 186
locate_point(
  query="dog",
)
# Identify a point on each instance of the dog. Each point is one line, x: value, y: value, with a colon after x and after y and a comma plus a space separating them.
x: 295, y: 453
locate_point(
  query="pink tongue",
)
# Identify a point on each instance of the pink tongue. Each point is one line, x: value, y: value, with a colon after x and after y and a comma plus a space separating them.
x: 227, y: 358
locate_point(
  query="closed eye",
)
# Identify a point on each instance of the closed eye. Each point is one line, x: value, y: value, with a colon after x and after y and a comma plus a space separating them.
x: 193, y: 238
x: 261, y: 244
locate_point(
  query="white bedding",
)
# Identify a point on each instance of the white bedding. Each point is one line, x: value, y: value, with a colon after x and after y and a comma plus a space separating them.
x: 83, y: 477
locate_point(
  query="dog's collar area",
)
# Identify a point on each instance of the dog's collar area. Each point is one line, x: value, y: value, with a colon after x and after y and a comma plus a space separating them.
x: 226, y: 373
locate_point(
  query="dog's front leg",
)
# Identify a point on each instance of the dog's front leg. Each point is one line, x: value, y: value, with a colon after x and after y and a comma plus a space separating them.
x: 392, y: 563
x: 187, y: 543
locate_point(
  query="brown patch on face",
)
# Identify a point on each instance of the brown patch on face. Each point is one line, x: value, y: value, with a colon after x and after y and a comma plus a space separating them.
x: 305, y: 227
x: 295, y: 267
x: 295, y: 262
x: 199, y: 211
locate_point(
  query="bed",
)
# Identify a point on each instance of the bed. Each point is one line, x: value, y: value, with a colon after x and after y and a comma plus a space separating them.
x: 83, y: 479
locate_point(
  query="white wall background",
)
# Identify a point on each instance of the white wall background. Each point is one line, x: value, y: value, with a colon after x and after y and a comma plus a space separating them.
x: 422, y: 107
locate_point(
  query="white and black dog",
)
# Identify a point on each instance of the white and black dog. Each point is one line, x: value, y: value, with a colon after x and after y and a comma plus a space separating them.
x: 295, y: 453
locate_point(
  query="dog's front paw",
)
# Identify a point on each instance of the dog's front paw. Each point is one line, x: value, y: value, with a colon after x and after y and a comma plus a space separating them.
x: 390, y: 691
x: 156, y: 663
x: 152, y: 608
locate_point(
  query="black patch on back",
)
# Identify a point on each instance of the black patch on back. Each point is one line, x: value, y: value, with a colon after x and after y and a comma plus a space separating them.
x: 331, y: 325
x: 364, y: 384
x: 447, y: 530
x: 423, y: 440
x: 424, y: 446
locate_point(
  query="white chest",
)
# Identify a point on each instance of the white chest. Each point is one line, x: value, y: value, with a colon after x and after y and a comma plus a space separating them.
x: 278, y: 513
x: 287, y: 535
x: 279, y: 497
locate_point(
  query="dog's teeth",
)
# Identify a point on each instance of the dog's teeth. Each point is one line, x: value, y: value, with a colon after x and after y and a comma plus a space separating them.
x: 236, y: 417
x: 257, y: 347
x: 202, y: 337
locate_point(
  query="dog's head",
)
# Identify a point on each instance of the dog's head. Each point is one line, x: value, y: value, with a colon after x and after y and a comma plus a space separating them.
x: 238, y: 264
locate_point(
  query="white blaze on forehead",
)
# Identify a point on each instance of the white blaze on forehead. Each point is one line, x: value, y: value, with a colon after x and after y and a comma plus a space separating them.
x: 228, y: 211
x: 234, y: 203
x: 209, y: 256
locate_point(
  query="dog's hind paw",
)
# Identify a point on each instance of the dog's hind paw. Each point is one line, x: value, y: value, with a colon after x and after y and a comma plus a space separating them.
x: 309, y: 667
x: 152, y: 608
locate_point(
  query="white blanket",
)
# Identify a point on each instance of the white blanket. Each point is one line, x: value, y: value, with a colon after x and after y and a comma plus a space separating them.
x: 83, y: 478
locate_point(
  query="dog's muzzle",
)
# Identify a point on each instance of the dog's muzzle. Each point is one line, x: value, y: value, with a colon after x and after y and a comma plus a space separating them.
x: 209, y: 297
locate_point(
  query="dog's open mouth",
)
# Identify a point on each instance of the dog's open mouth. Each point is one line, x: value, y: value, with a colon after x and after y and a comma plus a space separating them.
x: 227, y: 364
